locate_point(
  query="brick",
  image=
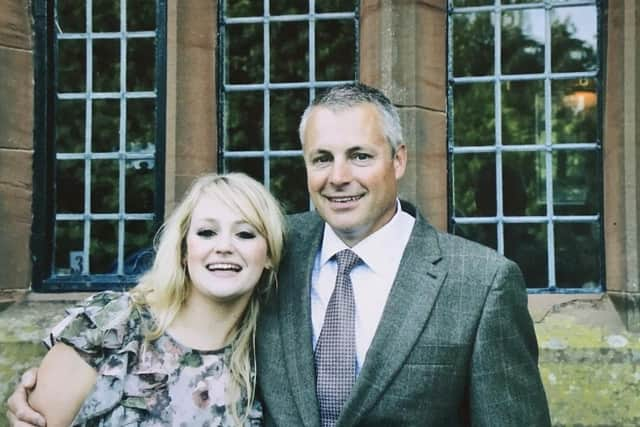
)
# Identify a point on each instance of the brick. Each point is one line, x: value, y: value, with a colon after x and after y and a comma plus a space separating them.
x: 16, y: 93
x: 15, y: 24
x: 15, y: 208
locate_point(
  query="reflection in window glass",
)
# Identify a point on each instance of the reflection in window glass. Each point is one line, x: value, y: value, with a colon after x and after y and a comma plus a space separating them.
x: 245, y: 57
x: 578, y: 255
x: 252, y: 166
x: 69, y: 255
x: 70, y: 126
x: 141, y: 71
x: 520, y: 1
x: 473, y: 125
x: 574, y: 39
x: 291, y: 7
x: 575, y: 181
x: 526, y: 244
x: 523, y: 41
x: 334, y: 55
x: 106, y: 15
x: 106, y: 65
x: 328, y: 6
x: 69, y: 173
x: 141, y: 15
x: 104, y: 186
x: 574, y: 111
x: 266, y: 86
x: 523, y: 112
x: 71, y: 16
x: 485, y: 234
x: 141, y: 125
x: 235, y: 8
x: 103, y: 257
x: 105, y: 126
x: 468, y: 3
x: 286, y: 106
x: 243, y: 123
x: 289, y: 44
x: 524, y: 135
x: 140, y: 186
x: 472, y: 56
x: 289, y: 183
x: 138, y: 255
x: 71, y: 66
x: 474, y: 187
x: 523, y: 183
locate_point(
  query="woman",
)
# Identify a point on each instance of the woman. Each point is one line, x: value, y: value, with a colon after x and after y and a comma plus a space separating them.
x: 178, y: 348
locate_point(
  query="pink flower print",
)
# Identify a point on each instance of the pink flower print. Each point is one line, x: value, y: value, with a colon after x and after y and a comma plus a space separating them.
x: 200, y: 395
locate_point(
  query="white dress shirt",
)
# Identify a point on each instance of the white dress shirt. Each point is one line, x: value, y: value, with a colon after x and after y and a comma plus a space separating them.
x: 371, y: 279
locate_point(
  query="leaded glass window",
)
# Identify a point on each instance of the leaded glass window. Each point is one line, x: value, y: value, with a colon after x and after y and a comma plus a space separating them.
x: 104, y: 140
x: 275, y: 57
x: 524, y: 113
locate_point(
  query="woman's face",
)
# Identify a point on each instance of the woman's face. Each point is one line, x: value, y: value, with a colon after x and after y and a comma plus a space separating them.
x: 225, y: 254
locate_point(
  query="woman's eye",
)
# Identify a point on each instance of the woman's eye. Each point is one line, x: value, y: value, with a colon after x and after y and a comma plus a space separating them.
x: 246, y: 235
x: 206, y: 233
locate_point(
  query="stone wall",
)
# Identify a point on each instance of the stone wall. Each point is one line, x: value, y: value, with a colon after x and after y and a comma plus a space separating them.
x: 22, y: 326
x: 16, y: 142
x: 590, y: 364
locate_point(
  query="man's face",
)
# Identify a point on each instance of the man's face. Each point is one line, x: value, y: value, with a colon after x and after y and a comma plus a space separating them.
x: 351, y: 172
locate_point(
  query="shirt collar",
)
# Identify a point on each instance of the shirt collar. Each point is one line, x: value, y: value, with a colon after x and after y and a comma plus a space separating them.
x: 370, y: 250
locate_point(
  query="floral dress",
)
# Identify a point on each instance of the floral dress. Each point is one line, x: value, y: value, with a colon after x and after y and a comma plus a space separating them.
x: 160, y: 383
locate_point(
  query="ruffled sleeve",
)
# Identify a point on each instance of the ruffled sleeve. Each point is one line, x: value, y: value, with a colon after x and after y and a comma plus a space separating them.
x: 107, y: 332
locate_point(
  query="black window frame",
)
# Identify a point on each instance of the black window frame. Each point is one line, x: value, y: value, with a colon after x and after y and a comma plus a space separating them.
x: 42, y: 240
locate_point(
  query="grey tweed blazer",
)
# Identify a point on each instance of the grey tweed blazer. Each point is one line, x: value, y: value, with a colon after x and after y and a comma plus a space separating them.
x: 455, y: 346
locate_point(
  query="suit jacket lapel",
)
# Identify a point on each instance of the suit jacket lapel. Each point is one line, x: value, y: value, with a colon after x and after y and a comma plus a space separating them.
x: 412, y: 296
x: 295, y: 317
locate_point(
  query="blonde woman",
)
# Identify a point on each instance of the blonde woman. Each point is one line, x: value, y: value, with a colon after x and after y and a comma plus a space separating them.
x: 178, y: 348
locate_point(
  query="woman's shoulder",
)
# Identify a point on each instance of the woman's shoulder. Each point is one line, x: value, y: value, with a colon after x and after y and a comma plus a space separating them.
x: 107, y: 331
x: 106, y: 320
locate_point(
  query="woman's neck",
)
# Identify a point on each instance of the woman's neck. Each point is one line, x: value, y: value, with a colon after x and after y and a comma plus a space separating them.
x: 205, y: 325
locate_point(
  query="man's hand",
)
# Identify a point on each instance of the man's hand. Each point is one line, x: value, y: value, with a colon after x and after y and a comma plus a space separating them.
x: 19, y: 412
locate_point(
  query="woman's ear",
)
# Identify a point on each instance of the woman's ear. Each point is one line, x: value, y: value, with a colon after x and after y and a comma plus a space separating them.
x: 268, y: 265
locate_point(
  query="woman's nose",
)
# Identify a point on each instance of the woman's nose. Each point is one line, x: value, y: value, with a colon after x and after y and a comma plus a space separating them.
x: 223, y: 243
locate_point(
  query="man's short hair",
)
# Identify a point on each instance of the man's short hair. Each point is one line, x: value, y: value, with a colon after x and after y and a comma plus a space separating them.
x: 349, y: 95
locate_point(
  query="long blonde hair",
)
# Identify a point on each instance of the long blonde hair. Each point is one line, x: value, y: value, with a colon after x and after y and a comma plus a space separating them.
x: 166, y: 286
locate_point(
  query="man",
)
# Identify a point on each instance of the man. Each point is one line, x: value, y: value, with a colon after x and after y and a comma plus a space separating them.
x: 434, y: 328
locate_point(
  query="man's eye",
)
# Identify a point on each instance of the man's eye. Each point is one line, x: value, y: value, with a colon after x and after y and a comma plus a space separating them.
x: 206, y: 233
x: 361, y: 156
x: 246, y: 235
x: 320, y: 159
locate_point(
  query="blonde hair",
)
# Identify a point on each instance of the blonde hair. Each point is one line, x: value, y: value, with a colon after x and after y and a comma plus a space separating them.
x: 166, y: 286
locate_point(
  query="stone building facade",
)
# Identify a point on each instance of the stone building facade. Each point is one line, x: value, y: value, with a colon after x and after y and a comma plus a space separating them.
x: 590, y: 343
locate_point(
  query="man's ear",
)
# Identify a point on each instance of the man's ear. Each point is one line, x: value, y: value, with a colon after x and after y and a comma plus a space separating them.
x: 400, y: 160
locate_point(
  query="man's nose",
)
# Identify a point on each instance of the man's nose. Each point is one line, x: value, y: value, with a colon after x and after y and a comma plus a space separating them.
x: 340, y: 173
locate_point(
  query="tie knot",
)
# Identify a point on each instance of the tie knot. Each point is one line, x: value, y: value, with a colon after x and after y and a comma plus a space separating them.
x: 346, y: 260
